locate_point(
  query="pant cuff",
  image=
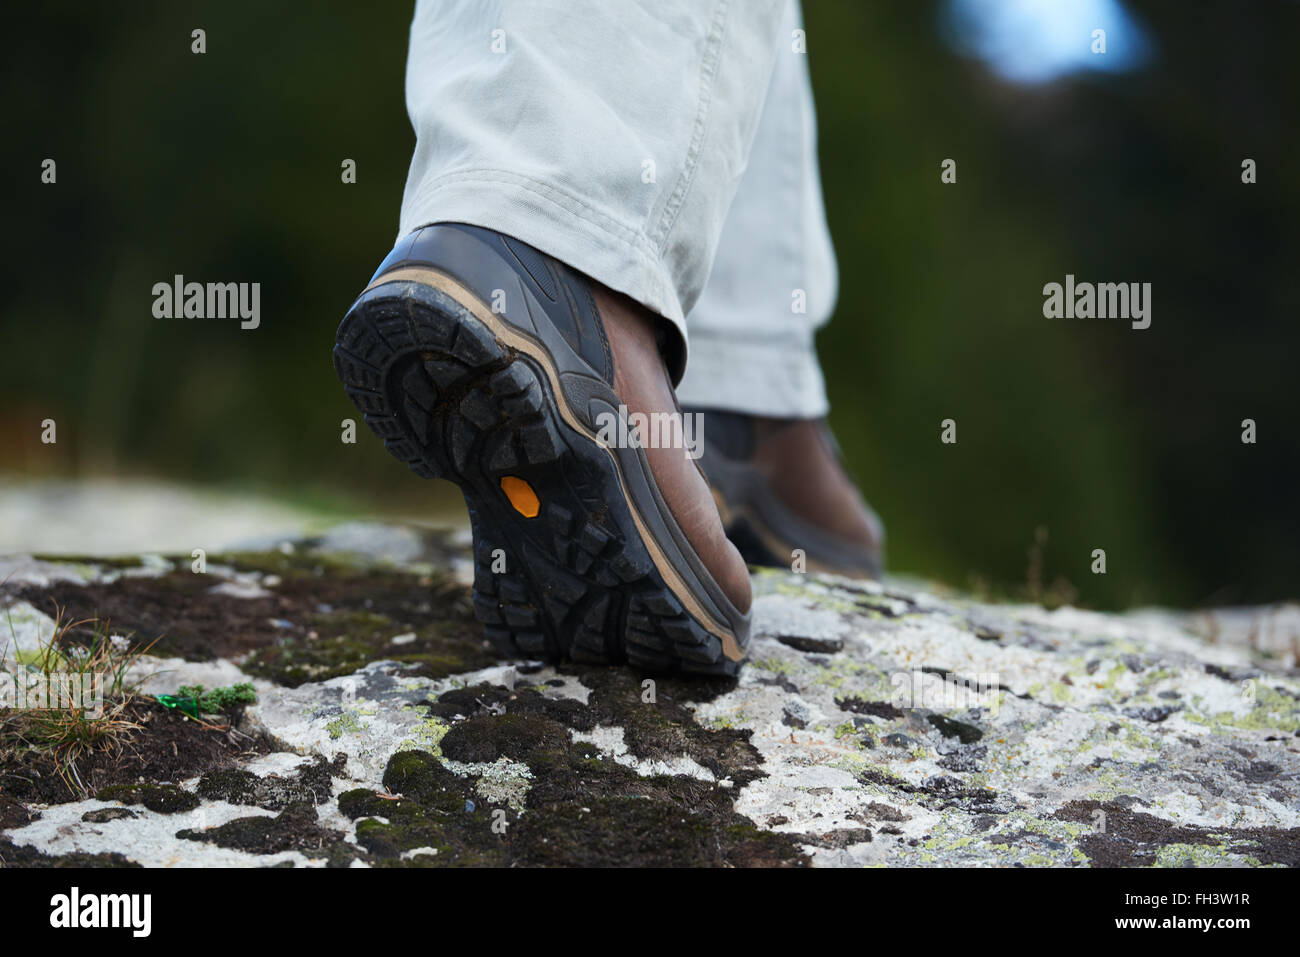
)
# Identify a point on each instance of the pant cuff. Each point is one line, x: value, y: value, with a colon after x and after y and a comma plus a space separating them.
x: 557, y: 223
x: 778, y: 379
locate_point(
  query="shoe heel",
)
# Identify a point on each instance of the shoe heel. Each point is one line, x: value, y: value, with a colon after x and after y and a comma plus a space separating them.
x: 407, y: 357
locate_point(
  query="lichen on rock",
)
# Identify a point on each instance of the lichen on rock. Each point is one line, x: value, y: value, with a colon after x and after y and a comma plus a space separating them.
x: 876, y: 724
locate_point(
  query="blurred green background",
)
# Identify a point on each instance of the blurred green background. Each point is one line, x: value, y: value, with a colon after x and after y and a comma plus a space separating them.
x: 1071, y: 435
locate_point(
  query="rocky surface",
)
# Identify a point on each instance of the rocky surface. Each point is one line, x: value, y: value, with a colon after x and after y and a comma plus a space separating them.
x: 875, y: 724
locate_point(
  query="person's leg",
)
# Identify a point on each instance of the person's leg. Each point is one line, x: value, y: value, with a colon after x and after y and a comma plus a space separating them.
x: 774, y: 278
x: 611, y: 136
x: 773, y: 464
x: 574, y: 164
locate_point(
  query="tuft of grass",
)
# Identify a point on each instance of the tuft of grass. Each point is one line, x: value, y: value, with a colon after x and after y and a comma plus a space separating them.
x: 1059, y: 593
x: 68, y: 734
x: 1056, y: 595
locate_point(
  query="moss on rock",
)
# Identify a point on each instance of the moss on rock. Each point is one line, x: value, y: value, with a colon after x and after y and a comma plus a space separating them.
x: 314, y: 616
x: 581, y: 807
x: 15, y: 855
x: 159, y: 798
x: 427, y: 807
x: 296, y: 828
x: 632, y: 831
x: 339, y: 642
x: 311, y: 784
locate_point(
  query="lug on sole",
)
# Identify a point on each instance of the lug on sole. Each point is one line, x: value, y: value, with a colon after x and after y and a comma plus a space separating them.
x: 571, y: 581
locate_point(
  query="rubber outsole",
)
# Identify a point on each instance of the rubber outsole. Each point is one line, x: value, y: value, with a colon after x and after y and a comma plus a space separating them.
x: 574, y: 581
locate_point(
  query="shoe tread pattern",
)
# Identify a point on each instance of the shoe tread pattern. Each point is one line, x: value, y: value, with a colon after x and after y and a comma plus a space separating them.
x: 452, y: 401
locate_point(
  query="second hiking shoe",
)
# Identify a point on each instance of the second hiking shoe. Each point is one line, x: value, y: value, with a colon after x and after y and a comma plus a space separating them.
x: 479, y: 359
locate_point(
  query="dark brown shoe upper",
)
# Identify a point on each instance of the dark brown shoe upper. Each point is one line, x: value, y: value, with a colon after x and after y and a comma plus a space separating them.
x: 642, y: 384
x: 796, y: 458
x: 785, y: 494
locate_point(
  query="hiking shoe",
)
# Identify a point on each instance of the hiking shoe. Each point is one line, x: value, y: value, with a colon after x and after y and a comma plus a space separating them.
x: 481, y: 360
x: 781, y: 488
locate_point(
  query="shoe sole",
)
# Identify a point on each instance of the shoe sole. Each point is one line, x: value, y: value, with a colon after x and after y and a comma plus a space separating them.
x: 455, y: 393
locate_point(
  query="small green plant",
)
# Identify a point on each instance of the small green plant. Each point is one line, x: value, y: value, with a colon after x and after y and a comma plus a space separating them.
x: 1061, y: 592
x: 68, y: 733
x: 195, y: 701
